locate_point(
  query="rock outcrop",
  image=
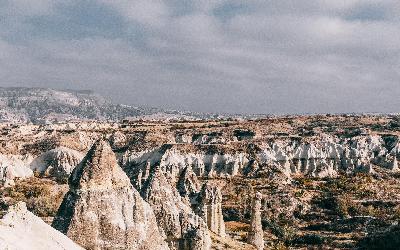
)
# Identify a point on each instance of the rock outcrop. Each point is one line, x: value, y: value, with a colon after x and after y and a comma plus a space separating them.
x: 320, y: 156
x: 175, y: 158
x: 102, y: 210
x: 188, y: 185
x: 118, y: 140
x: 394, y: 166
x: 209, y: 208
x: 22, y: 230
x: 58, y: 162
x: 183, y: 228
x: 256, y: 235
x: 13, y: 167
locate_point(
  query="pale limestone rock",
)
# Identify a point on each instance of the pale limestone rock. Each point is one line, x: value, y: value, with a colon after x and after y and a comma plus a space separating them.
x: 394, y: 166
x: 22, y: 230
x: 173, y: 159
x: 321, y: 157
x: 256, y: 234
x: 209, y: 208
x: 102, y: 210
x: 14, y: 167
x: 188, y: 185
x: 58, y: 162
x: 184, y: 229
x: 118, y: 140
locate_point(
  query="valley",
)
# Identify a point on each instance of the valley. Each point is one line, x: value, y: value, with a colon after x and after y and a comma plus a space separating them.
x: 327, y: 181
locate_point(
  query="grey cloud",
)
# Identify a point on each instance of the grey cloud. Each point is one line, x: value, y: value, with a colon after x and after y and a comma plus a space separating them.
x: 213, y: 56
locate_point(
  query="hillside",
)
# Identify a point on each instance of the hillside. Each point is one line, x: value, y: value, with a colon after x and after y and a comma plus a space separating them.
x: 40, y: 105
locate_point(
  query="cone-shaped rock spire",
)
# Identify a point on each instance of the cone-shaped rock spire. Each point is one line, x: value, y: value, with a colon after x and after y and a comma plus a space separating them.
x: 98, y: 170
x: 102, y: 210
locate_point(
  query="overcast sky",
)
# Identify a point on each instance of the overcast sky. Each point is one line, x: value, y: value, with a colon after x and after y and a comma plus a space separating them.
x: 250, y: 56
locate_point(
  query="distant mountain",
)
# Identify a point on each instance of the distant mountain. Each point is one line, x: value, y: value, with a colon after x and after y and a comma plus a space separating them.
x: 40, y: 105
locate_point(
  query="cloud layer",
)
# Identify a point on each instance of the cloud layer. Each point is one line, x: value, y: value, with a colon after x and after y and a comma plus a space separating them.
x: 253, y: 56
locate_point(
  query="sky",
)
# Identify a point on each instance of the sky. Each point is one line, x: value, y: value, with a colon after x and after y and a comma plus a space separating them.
x: 250, y: 56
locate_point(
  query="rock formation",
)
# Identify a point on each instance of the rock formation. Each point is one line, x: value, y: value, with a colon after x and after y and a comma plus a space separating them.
x: 209, y: 208
x: 12, y: 167
x: 102, y: 210
x: 174, y: 159
x: 256, y: 234
x: 184, y: 229
x: 58, y: 162
x: 394, y: 166
x: 188, y: 184
x: 321, y: 156
x: 22, y: 230
x: 118, y: 140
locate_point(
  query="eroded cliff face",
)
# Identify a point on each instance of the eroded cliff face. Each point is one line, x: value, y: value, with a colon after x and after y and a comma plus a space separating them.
x: 183, y: 228
x: 209, y: 206
x: 322, y: 156
x: 58, y: 162
x: 102, y: 210
x: 14, y: 167
x: 211, y: 149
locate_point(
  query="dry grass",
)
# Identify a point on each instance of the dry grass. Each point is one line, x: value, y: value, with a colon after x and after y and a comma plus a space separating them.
x: 236, y: 226
x: 42, y: 196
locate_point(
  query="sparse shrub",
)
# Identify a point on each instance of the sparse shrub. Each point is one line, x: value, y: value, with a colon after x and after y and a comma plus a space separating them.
x: 285, y: 233
x: 342, y: 205
x: 280, y: 246
x: 299, y: 194
x: 345, y: 206
x: 63, y: 179
x: 232, y: 214
x: 305, y: 182
x: 309, y: 239
x: 243, y: 237
x: 38, y: 194
x: 394, y: 124
x: 371, y: 211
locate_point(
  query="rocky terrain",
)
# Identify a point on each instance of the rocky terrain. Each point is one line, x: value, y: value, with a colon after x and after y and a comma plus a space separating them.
x: 295, y: 182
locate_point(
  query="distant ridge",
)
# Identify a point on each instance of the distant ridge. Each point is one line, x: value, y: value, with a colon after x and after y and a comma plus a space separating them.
x: 45, y: 105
